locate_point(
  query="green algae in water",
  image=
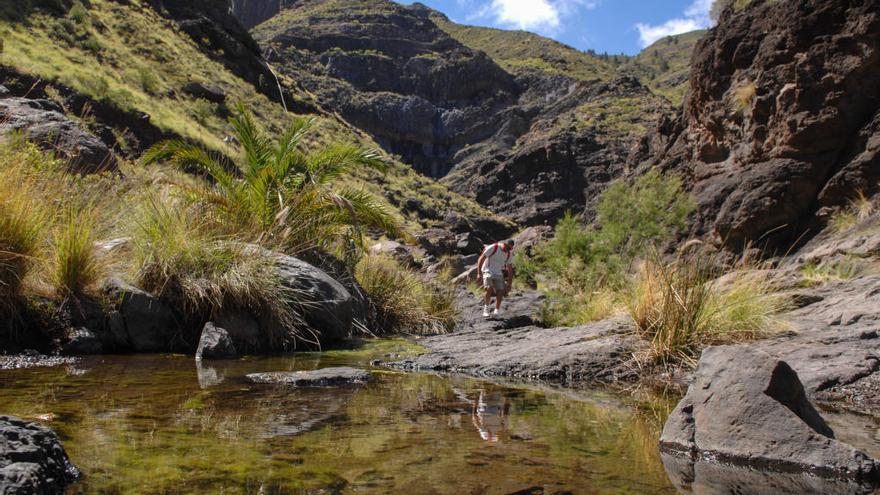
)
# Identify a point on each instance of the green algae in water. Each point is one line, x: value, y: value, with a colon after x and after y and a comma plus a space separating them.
x: 163, y: 425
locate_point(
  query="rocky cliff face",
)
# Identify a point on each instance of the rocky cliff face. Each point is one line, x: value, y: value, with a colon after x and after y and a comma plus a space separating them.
x: 528, y: 137
x: 252, y: 12
x: 782, y: 121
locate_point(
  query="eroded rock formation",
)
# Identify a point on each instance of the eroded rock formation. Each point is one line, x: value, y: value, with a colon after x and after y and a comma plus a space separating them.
x: 781, y: 121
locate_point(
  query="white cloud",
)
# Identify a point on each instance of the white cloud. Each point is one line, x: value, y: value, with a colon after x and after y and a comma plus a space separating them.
x: 696, y: 16
x: 532, y: 15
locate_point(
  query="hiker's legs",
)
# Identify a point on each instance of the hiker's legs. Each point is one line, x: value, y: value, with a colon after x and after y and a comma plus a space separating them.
x: 488, y: 297
x: 498, y: 298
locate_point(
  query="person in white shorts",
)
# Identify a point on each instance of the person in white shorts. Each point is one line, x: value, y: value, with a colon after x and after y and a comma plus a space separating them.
x: 495, y: 269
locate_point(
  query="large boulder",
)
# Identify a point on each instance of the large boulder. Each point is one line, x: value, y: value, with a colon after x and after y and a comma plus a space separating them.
x: 215, y: 343
x: 140, y: 321
x: 44, y: 122
x: 455, y: 265
x: 324, y: 377
x: 32, y: 459
x: 328, y: 307
x: 747, y: 407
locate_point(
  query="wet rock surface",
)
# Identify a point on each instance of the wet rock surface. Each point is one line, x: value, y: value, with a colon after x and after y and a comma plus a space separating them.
x: 32, y: 459
x: 140, y: 322
x: 215, y: 343
x: 325, y: 377
x: 747, y: 407
x: 514, y: 344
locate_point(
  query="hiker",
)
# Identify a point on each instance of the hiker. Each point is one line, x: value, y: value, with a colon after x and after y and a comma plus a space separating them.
x: 495, y: 270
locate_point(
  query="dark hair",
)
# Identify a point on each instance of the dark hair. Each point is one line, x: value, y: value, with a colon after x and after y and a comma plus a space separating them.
x: 510, y: 242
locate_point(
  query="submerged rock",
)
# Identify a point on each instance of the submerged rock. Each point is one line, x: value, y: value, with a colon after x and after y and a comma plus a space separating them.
x: 747, y: 407
x: 325, y: 377
x: 81, y: 341
x: 215, y: 343
x: 32, y: 459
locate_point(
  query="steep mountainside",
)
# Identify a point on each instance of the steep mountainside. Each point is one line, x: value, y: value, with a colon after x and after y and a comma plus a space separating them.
x: 782, y: 123
x: 526, y: 126
x: 665, y: 66
x: 133, y: 73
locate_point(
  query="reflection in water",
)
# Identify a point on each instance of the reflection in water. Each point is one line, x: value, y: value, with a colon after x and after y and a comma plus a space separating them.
x: 160, y: 424
x: 704, y: 478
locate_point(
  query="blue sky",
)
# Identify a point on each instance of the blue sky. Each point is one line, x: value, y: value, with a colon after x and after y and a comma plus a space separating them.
x: 613, y: 26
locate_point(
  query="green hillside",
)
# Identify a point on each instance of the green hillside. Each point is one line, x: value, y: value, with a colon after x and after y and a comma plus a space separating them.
x: 665, y: 66
x: 517, y: 50
x: 131, y: 57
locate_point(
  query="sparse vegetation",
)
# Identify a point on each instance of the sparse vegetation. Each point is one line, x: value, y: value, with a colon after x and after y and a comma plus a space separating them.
x: 403, y: 301
x: 859, y: 209
x: 742, y: 96
x: 680, y: 307
x: 76, y: 264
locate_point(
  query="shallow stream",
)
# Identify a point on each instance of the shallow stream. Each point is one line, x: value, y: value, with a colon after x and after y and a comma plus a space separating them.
x: 165, y: 425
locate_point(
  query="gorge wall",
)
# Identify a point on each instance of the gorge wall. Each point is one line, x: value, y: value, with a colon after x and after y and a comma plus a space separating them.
x: 782, y: 122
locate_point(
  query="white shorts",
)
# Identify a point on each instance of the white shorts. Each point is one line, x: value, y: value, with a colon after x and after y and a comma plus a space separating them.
x: 494, y: 282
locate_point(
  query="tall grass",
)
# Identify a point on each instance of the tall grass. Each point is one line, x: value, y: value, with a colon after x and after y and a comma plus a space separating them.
x: 22, y: 223
x: 680, y: 307
x: 583, y: 267
x: 76, y: 265
x: 402, y: 300
x: 181, y: 259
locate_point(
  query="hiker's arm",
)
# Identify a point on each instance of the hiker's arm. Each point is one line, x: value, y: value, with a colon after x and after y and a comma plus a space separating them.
x: 480, y: 262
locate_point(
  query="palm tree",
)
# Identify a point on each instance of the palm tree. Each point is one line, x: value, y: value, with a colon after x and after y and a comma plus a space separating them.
x: 281, y: 191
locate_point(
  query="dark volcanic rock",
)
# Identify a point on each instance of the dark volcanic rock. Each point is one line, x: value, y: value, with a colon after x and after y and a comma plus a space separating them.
x: 81, y: 341
x: 215, y: 343
x: 330, y: 305
x: 514, y: 345
x: 781, y: 121
x: 747, y: 407
x: 711, y: 477
x: 32, y: 459
x: 43, y: 122
x: 325, y: 377
x: 205, y: 91
x: 252, y: 12
x: 141, y: 322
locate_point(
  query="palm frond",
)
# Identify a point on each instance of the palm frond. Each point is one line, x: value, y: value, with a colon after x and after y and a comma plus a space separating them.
x: 365, y: 209
x: 255, y: 144
x: 335, y: 160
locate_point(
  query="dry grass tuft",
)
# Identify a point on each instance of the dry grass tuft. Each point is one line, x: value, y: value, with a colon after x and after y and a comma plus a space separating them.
x: 403, y: 301
x: 679, y: 309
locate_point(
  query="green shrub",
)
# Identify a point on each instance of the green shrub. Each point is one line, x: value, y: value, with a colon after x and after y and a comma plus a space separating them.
x: 583, y: 265
x: 148, y: 81
x: 403, y: 302
x: 78, y: 13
